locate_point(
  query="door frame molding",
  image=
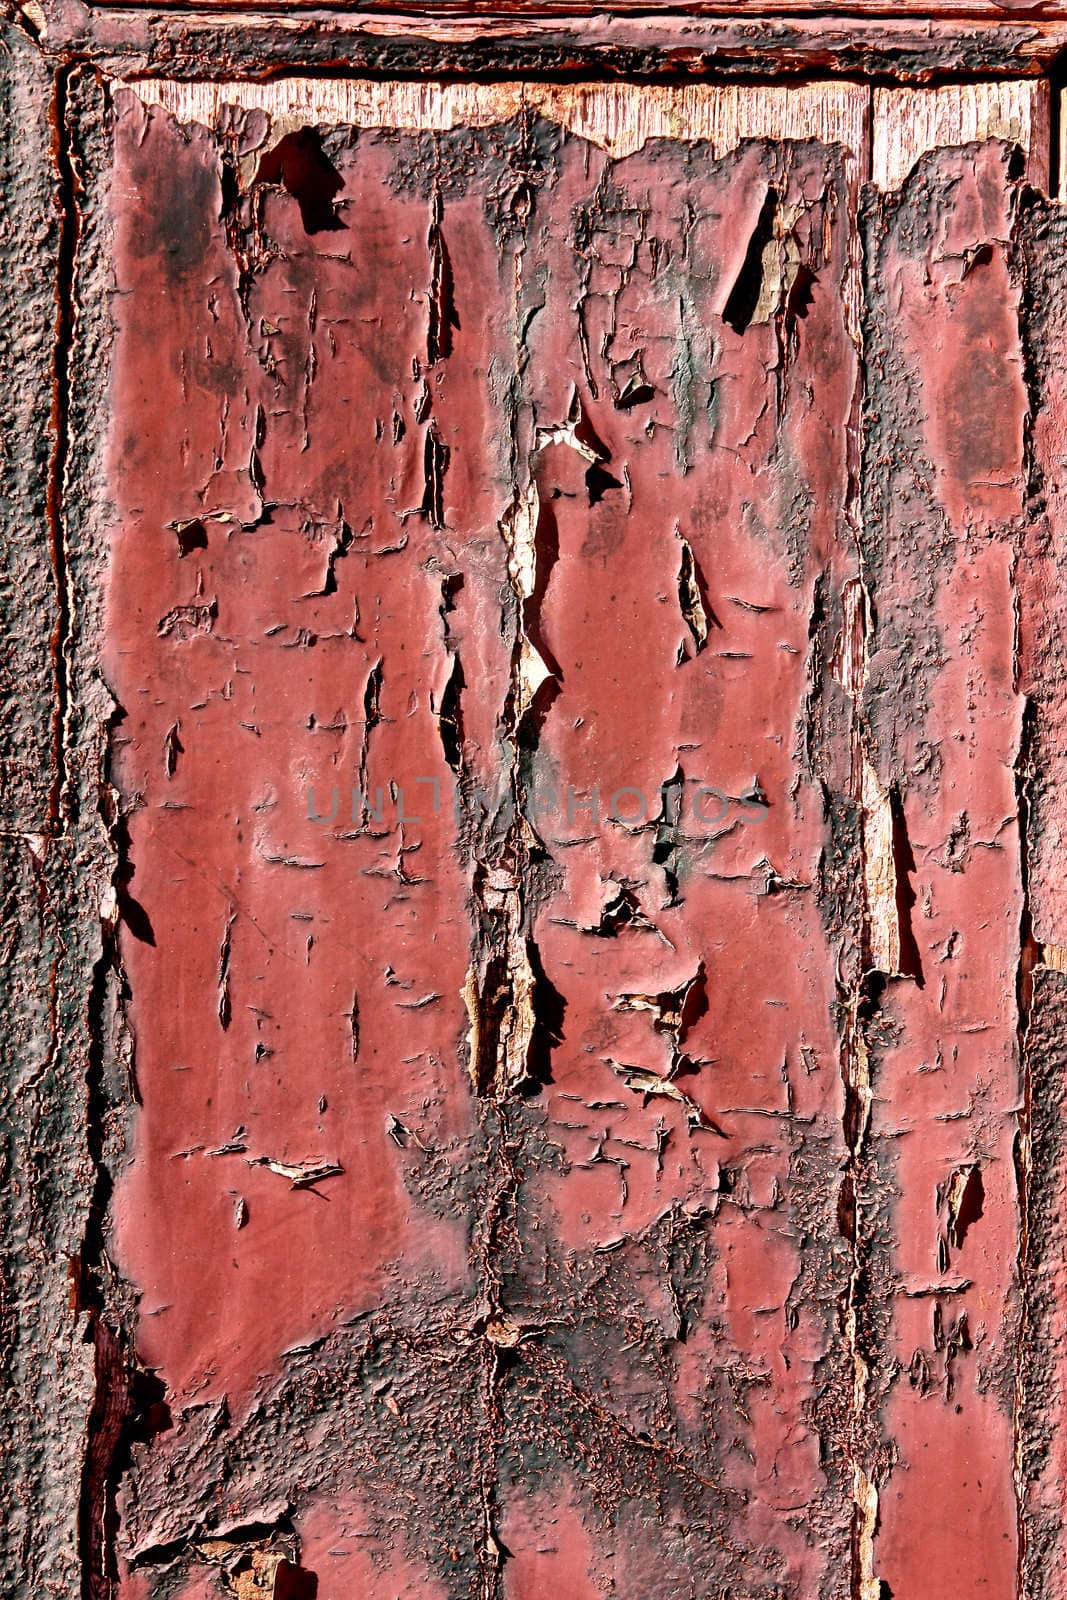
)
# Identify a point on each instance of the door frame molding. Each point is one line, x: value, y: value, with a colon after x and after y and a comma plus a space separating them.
x: 478, y: 40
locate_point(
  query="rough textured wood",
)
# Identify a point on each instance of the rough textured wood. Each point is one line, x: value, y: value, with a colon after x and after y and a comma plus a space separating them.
x: 54, y: 868
x: 909, y: 122
x: 1040, y: 239
x: 617, y: 118
x: 31, y: 685
x: 622, y: 118
x: 431, y: 10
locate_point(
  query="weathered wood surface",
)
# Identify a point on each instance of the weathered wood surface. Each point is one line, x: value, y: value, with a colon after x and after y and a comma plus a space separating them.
x: 57, y: 865
x: 906, y: 123
x: 659, y: 44
x: 620, y: 1151
x: 1038, y: 262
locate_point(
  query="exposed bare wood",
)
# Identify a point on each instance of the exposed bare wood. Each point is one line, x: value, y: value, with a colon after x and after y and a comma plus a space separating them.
x: 909, y: 122
x: 619, y: 118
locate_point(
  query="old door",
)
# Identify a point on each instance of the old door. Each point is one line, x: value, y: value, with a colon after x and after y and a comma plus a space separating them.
x: 532, y: 738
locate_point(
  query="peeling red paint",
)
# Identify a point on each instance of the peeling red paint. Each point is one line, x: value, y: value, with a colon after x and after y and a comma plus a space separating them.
x: 344, y: 620
x: 270, y: 700
x: 948, y: 1086
x: 582, y: 960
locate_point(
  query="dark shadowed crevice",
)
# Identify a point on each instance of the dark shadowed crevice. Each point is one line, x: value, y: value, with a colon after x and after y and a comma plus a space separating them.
x: 693, y: 599
x: 436, y: 456
x: 909, y: 959
x: 598, y: 480
x: 550, y: 1009
x: 450, y: 717
x: 443, y: 318
x: 302, y: 168
x: 744, y: 297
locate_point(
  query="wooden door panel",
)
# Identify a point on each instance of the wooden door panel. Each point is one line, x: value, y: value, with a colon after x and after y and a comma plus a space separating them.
x: 552, y: 796
x: 510, y: 472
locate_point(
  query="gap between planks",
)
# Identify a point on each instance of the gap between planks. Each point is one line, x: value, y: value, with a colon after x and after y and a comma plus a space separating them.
x: 885, y: 132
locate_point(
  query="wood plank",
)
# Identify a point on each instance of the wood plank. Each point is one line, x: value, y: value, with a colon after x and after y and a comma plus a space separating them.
x: 1040, y: 239
x: 527, y: 467
x: 975, y: 10
x: 945, y: 490
x: 126, y: 40
x: 683, y: 698
x: 1042, y: 1395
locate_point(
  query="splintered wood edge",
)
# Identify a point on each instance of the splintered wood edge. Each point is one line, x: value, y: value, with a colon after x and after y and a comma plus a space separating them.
x: 618, y: 117
x: 909, y: 122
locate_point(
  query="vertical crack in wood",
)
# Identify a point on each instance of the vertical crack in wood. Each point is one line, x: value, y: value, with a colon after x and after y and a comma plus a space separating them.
x: 1023, y: 1146
x: 1037, y: 242
x: 1029, y: 953
x: 877, y: 948
x: 878, y: 940
x: 68, y: 196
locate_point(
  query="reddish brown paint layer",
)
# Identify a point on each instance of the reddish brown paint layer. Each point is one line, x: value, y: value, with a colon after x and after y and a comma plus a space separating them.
x: 731, y: 475
x: 302, y: 987
x: 310, y: 585
x: 946, y: 719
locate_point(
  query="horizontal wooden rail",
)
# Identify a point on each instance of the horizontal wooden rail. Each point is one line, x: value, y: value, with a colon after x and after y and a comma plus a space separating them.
x: 651, y: 43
